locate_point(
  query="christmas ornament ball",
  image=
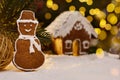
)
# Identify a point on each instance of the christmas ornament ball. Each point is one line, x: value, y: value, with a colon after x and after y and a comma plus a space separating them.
x: 6, y: 51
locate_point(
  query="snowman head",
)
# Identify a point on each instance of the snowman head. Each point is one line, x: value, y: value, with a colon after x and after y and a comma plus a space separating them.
x: 27, y: 23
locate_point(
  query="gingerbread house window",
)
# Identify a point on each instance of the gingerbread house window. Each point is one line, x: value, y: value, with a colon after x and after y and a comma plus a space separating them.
x: 78, y: 26
x: 68, y: 44
x: 85, y: 44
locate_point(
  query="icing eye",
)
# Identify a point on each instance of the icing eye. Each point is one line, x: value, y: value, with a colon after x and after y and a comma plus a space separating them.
x: 30, y: 24
x: 25, y: 25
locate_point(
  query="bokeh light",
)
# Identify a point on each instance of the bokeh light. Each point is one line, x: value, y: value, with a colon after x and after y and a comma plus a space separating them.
x: 90, y: 18
x: 110, y: 7
x: 102, y: 35
x: 68, y: 1
x: 82, y: 9
x: 92, y: 12
x: 117, y: 0
x: 82, y: 0
x: 114, y: 30
x: 117, y: 10
x: 49, y: 3
x: 72, y: 8
x: 100, y: 53
x: 112, y: 18
x: 108, y: 27
x: 98, y: 30
x: 48, y: 15
x: 102, y: 23
x: 89, y: 2
x: 55, y: 7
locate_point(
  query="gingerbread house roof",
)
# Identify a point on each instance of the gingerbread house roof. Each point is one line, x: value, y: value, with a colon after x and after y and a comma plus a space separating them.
x: 64, y: 23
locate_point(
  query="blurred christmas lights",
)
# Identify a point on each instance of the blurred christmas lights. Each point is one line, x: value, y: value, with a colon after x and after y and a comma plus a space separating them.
x: 100, y: 53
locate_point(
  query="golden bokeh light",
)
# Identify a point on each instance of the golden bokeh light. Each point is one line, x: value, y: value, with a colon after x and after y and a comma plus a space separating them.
x: 97, y: 11
x: 117, y: 0
x: 102, y: 35
x: 55, y: 7
x: 102, y: 23
x: 48, y: 15
x: 100, y: 53
x: 82, y: 0
x: 90, y: 18
x: 82, y: 12
x: 49, y: 3
x: 98, y: 30
x: 89, y: 2
x: 100, y: 14
x: 68, y: 1
x: 114, y: 30
x: 72, y: 8
x: 112, y: 18
x: 110, y: 7
x: 82, y: 9
x: 92, y: 12
x: 108, y: 27
x: 117, y: 10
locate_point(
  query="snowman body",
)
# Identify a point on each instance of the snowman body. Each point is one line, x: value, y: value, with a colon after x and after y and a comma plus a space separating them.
x: 28, y: 54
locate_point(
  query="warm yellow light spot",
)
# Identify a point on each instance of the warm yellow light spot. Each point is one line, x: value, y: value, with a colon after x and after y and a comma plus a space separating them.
x: 48, y: 15
x: 108, y: 27
x: 90, y: 18
x: 117, y: 10
x: 82, y: 0
x: 112, y: 18
x: 98, y: 30
x: 109, y: 16
x: 110, y: 7
x: 68, y: 1
x: 116, y: 41
x: 102, y: 35
x: 49, y: 3
x: 117, y: 0
x: 101, y: 15
x: 55, y: 7
x: 82, y: 9
x: 92, y: 11
x: 89, y: 2
x: 100, y: 53
x: 72, y: 8
x: 115, y: 72
x: 114, y: 30
x: 83, y: 13
x: 97, y: 11
x: 102, y: 23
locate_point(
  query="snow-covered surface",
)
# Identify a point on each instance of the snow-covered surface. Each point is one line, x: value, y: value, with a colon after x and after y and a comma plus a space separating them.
x: 86, y: 67
x: 63, y: 24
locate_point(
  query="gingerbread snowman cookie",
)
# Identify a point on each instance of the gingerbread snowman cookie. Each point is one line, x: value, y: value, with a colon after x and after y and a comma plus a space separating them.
x: 28, y: 55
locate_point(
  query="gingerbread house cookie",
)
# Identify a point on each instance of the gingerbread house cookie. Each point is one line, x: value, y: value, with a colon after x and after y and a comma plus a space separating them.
x: 28, y: 54
x: 71, y: 33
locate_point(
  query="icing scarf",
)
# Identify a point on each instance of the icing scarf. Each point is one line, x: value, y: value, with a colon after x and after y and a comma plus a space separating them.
x: 32, y: 42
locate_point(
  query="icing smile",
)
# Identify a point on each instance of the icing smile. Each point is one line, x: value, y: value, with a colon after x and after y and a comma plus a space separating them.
x: 28, y: 30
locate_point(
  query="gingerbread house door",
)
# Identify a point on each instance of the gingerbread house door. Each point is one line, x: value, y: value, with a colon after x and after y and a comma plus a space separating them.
x: 76, y: 47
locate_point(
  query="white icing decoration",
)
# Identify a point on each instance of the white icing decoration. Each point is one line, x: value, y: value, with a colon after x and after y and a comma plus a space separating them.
x: 64, y: 23
x: 85, y: 43
x: 32, y: 42
x: 31, y: 25
x: 27, y: 21
x: 28, y: 30
x: 68, y: 44
x: 78, y: 26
